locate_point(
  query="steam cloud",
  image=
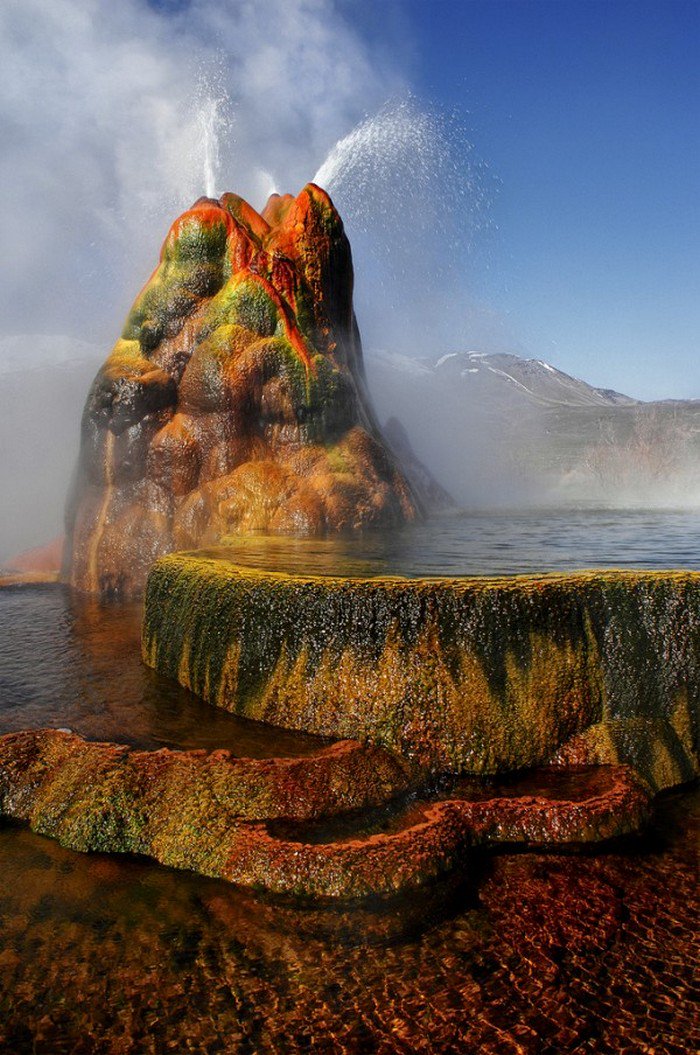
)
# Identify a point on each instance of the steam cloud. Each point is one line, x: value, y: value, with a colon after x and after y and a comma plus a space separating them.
x: 100, y: 114
x: 107, y: 112
x: 101, y: 118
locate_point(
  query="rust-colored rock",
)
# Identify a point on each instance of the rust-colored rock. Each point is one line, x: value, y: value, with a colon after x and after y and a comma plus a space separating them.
x: 44, y: 559
x: 234, y: 400
x: 223, y: 816
x: 430, y: 839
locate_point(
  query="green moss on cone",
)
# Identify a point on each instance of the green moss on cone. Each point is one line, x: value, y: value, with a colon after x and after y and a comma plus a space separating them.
x: 238, y: 372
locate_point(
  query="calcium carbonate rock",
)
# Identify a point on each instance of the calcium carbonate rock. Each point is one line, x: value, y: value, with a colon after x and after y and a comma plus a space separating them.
x: 234, y: 400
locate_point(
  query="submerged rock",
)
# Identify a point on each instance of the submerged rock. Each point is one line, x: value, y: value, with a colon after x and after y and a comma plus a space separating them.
x: 234, y: 399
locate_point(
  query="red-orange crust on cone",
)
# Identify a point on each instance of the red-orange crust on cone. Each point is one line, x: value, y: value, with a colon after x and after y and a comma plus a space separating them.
x: 240, y: 360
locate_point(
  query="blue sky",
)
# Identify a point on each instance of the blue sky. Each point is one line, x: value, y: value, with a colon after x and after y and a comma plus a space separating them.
x: 589, y: 113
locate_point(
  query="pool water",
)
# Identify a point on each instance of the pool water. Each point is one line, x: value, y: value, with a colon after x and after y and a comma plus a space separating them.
x: 534, y: 953
x: 68, y: 661
x: 490, y: 544
x: 543, y: 954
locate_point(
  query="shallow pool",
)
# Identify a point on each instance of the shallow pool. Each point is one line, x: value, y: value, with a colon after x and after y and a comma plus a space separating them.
x: 71, y: 662
x: 491, y: 544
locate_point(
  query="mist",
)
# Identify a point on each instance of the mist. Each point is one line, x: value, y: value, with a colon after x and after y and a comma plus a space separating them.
x: 102, y: 108
x: 115, y: 118
x: 502, y: 432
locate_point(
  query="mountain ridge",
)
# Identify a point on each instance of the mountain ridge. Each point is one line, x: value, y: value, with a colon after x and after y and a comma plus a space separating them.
x: 497, y: 429
x: 536, y: 377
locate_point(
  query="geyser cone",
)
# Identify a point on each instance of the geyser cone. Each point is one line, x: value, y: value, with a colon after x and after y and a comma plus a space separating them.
x: 234, y: 400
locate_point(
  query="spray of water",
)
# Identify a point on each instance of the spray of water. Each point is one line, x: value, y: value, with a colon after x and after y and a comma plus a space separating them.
x: 266, y: 185
x: 416, y: 202
x: 208, y: 120
x: 213, y: 122
x: 409, y: 167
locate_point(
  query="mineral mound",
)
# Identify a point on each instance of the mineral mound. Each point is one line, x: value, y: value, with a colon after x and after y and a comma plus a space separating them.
x: 234, y: 400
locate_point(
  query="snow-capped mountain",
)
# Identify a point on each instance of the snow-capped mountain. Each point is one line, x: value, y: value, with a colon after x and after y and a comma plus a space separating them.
x: 503, y: 376
x: 495, y: 429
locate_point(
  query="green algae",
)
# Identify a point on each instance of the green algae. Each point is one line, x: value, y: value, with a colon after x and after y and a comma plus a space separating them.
x: 196, y: 241
x: 473, y: 675
x: 186, y: 809
x: 191, y: 267
x: 245, y: 302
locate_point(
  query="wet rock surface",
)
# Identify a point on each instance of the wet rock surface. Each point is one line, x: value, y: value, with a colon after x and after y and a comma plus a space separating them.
x: 72, y: 661
x: 234, y: 400
x: 214, y: 813
x: 477, y: 675
x: 543, y: 954
x: 525, y: 952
